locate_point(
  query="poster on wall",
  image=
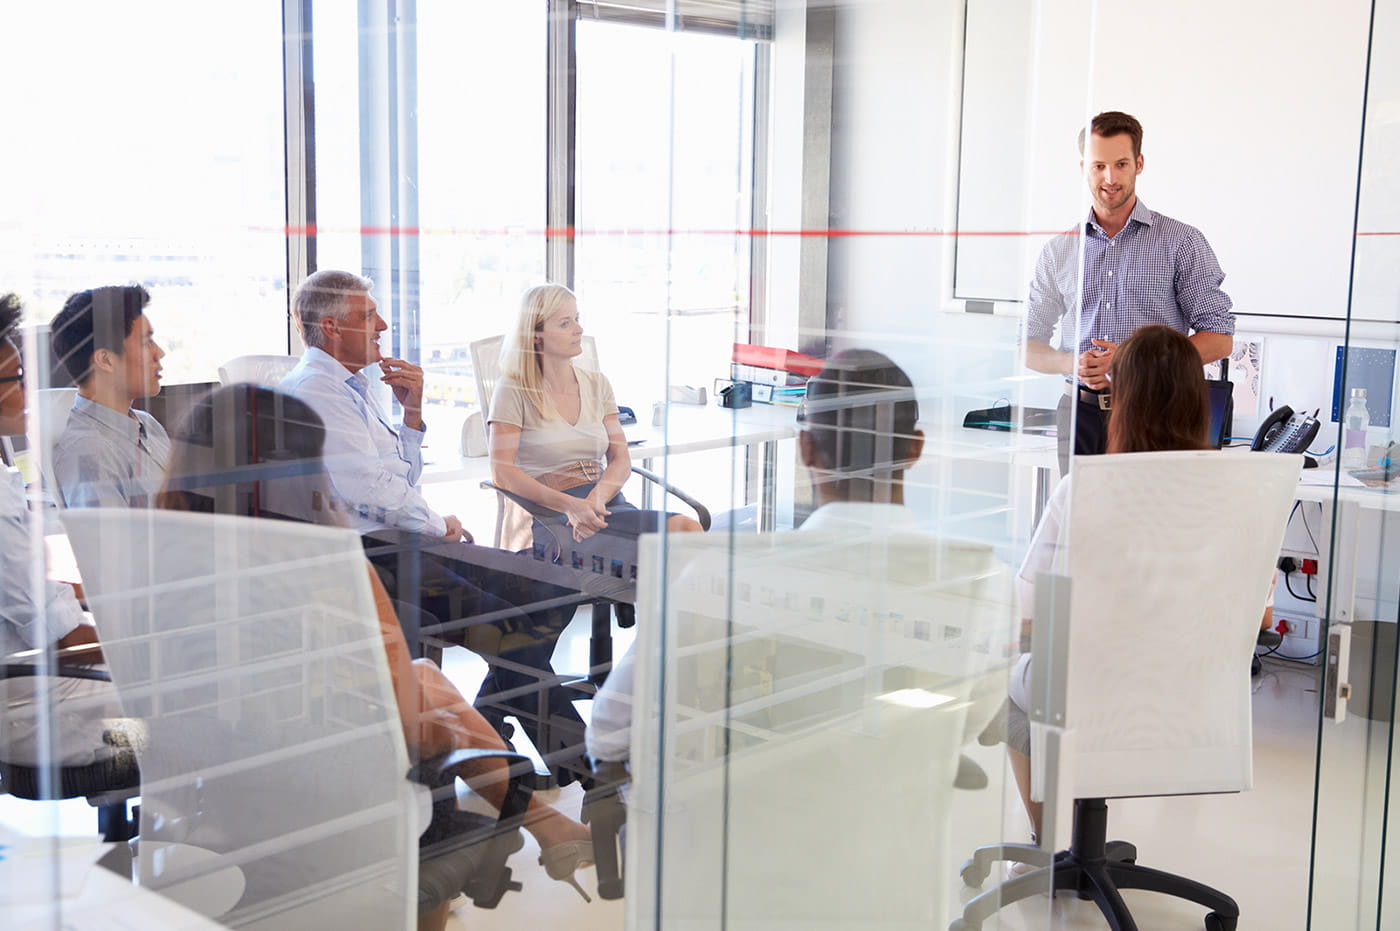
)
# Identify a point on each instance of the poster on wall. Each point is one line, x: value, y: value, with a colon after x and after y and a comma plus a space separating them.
x: 1245, y: 363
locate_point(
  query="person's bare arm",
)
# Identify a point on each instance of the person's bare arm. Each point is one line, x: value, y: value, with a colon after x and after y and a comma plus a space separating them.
x: 406, y: 380
x: 1041, y: 357
x: 79, y: 647
x: 504, y: 444
x: 619, y: 464
x: 1213, y: 346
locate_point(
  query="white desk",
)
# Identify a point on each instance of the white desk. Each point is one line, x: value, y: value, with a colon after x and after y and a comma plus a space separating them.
x: 1029, y: 450
x: 687, y: 429
x: 691, y: 429
x: 1341, y: 529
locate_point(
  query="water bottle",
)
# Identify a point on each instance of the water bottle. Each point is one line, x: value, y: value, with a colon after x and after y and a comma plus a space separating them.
x: 1355, y: 422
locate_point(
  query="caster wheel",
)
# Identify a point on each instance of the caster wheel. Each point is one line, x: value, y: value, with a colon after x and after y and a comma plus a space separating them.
x: 1218, y: 922
x: 972, y: 875
x: 1120, y: 851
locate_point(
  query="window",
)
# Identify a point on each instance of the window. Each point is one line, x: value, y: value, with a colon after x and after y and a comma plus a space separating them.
x: 157, y: 160
x: 663, y: 181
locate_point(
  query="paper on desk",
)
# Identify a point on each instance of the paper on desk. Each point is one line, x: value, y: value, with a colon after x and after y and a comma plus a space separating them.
x: 27, y: 863
x: 1327, y: 475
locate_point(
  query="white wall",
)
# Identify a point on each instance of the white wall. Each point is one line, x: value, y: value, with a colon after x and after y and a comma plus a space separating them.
x: 894, y: 156
x: 1252, y: 112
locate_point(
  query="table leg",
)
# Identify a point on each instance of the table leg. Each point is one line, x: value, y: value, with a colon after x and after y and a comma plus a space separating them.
x: 767, y: 489
x: 646, y: 486
x: 600, y: 652
x: 1042, y: 493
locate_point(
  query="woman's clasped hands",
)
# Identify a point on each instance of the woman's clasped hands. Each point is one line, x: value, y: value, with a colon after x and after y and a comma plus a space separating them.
x: 586, y: 516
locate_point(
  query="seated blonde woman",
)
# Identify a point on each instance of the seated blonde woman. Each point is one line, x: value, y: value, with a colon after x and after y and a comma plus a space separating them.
x: 555, y: 438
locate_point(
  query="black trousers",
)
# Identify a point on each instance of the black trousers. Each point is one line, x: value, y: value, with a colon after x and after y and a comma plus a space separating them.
x: 1090, y: 431
x: 521, y: 620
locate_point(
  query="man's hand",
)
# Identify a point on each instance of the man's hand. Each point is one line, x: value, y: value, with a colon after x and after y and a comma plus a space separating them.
x: 1095, y: 364
x: 455, y: 530
x: 406, y: 379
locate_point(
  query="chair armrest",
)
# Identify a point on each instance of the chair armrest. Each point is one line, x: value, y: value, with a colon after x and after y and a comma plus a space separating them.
x: 606, y: 813
x: 534, y: 509
x: 702, y: 513
x: 23, y: 671
x: 492, y: 880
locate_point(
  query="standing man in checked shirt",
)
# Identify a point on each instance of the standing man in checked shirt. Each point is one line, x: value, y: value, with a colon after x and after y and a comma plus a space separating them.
x: 1138, y: 267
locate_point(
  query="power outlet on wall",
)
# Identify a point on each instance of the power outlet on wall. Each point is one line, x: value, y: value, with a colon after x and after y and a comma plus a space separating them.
x: 1300, y: 642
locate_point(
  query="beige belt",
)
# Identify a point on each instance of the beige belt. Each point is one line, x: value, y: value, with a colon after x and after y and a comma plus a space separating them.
x: 572, y: 475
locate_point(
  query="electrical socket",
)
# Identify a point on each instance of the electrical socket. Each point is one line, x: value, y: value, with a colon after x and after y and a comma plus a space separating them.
x: 1287, y: 563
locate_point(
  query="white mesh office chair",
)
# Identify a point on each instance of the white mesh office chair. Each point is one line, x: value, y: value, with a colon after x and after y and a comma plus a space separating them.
x: 54, y: 407
x: 251, y: 652
x: 1140, y: 684
x: 265, y: 370
x: 800, y: 701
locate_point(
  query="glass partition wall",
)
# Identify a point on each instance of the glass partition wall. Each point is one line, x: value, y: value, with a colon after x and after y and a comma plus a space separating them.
x: 1353, y: 841
x: 809, y: 245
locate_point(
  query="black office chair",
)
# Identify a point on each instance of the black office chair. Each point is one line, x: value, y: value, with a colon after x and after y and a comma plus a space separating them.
x: 605, y: 813
x: 464, y: 852
x: 598, y: 555
x: 108, y: 785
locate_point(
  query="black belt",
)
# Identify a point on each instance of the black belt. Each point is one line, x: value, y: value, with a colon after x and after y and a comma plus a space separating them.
x: 1098, y: 399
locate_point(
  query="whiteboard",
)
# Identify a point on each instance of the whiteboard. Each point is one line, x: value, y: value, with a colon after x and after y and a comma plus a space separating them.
x: 1252, y: 114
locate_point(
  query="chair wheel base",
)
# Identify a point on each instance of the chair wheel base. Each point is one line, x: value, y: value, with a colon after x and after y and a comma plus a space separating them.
x: 972, y: 874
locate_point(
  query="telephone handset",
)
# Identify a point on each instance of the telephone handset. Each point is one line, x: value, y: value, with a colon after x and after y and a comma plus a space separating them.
x: 1285, y: 432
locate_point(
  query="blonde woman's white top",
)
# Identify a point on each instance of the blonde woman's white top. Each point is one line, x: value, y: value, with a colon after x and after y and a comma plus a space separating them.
x: 550, y: 444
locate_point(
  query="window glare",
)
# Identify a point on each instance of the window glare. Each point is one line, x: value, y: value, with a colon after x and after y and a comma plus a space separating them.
x: 163, y: 166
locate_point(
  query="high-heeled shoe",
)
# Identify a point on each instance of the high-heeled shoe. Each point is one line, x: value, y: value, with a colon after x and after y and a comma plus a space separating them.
x: 561, y: 860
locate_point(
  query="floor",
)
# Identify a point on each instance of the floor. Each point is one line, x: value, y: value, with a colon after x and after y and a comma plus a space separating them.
x: 1255, y: 845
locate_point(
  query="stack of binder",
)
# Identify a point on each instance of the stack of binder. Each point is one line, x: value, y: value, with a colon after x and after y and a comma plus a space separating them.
x: 778, y: 376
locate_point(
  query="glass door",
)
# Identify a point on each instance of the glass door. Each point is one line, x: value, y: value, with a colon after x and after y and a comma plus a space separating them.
x: 1353, y: 840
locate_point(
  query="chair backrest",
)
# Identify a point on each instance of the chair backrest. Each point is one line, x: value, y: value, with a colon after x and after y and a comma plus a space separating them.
x: 251, y: 650
x: 262, y: 370
x: 486, y: 365
x: 54, y: 407
x: 801, y: 696
x: 1169, y: 558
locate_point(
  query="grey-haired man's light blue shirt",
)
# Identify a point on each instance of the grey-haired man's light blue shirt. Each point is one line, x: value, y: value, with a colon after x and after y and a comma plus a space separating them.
x: 374, y: 465
x: 109, y: 459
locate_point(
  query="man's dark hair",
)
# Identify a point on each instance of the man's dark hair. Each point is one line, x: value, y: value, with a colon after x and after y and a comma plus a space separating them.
x: 1115, y: 123
x: 11, y: 309
x: 99, y: 318
x: 861, y: 413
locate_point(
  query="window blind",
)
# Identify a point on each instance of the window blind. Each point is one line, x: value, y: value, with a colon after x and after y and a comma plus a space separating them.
x: 747, y: 19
